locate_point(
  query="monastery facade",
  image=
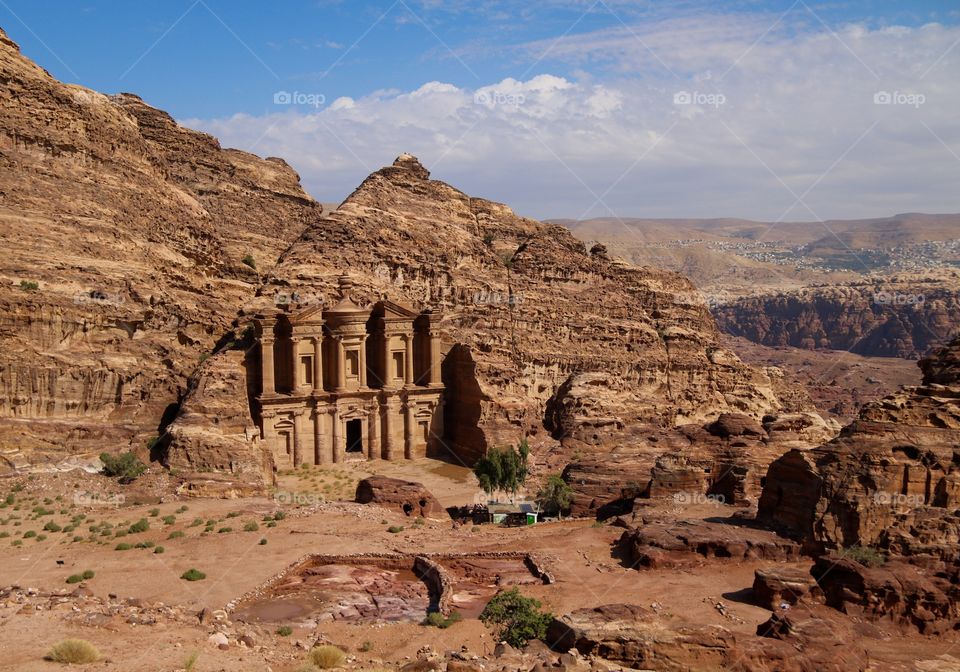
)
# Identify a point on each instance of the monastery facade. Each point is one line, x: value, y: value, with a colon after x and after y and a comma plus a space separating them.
x: 349, y: 382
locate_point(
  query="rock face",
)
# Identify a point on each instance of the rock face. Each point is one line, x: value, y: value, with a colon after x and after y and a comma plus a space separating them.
x: 896, y: 317
x: 777, y: 585
x: 639, y: 638
x: 124, y: 236
x: 536, y: 328
x: 724, y: 461
x: 890, y: 480
x: 407, y: 497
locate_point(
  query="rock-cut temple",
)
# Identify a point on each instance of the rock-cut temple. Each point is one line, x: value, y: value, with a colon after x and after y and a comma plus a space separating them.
x: 348, y: 381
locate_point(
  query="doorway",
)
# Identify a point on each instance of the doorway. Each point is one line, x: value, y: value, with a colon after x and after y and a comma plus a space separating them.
x: 355, y: 436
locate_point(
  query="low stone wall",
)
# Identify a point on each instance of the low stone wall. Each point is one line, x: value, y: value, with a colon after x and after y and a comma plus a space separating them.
x: 438, y: 583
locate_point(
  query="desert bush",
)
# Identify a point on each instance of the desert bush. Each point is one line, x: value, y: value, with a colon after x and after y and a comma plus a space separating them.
x: 249, y: 261
x: 556, y: 495
x: 158, y: 549
x: 123, y: 547
x: 251, y: 526
x: 326, y: 657
x: 263, y: 541
x: 395, y: 529
x: 193, y: 575
x: 866, y: 556
x: 438, y: 620
x: 516, y: 618
x: 176, y: 534
x: 141, y: 525
x: 125, y: 467
x: 29, y: 285
x: 284, y: 631
x: 74, y: 578
x: 154, y: 513
x: 88, y: 574
x: 224, y: 530
x: 74, y: 652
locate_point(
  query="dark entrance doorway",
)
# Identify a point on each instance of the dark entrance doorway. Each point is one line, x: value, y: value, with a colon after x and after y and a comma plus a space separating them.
x: 354, y: 436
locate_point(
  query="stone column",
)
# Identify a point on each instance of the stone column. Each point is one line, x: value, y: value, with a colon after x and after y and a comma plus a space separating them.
x: 318, y: 363
x: 266, y: 364
x: 387, y: 362
x: 319, y: 437
x: 434, y: 378
x: 341, y: 365
x: 363, y: 362
x: 373, y: 449
x: 337, y: 438
x: 408, y: 359
x: 295, y: 349
x: 297, y: 441
x: 408, y: 429
x: 388, y: 429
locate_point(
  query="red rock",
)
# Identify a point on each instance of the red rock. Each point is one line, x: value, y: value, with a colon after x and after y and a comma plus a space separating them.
x: 407, y: 497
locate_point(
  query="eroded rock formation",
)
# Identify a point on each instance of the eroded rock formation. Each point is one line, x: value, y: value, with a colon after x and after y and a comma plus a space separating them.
x: 407, y: 497
x: 890, y: 480
x: 124, y: 239
x: 895, y: 317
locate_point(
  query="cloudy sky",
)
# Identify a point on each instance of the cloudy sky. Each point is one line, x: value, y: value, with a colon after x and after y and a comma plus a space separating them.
x: 561, y: 108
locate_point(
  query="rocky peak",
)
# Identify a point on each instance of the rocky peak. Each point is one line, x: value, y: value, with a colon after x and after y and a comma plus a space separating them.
x: 942, y: 367
x: 412, y: 164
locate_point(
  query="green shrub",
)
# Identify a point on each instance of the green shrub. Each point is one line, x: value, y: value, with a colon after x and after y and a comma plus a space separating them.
x: 88, y: 574
x: 866, y: 556
x: 233, y: 514
x: 366, y: 646
x: 154, y: 513
x: 326, y: 657
x: 158, y: 549
x: 144, y: 544
x: 263, y: 541
x: 74, y: 578
x: 193, y: 575
x: 52, y: 527
x: 516, y: 618
x: 177, y: 534
x: 123, y: 547
x: 249, y: 261
x: 284, y: 631
x: 141, y: 525
x: 169, y: 520
x: 251, y: 526
x: 29, y: 285
x: 183, y: 509
x: 74, y: 652
x: 224, y: 530
x: 125, y: 467
x: 438, y: 620
x: 29, y: 533
x: 196, y: 522
x: 395, y: 529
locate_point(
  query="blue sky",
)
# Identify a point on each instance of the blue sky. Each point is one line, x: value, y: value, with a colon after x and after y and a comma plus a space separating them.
x: 555, y: 107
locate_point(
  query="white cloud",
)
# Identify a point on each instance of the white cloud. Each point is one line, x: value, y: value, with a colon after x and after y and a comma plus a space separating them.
x: 791, y: 106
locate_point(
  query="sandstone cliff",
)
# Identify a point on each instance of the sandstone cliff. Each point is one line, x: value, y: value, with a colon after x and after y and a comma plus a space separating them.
x: 124, y: 236
x: 536, y: 327
x: 890, y: 480
x: 902, y: 316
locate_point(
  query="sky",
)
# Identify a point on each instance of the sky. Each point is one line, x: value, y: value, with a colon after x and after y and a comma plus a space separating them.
x: 777, y: 111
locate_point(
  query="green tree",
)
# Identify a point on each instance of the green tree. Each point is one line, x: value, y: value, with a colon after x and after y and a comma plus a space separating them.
x: 503, y: 469
x: 516, y: 619
x: 555, y: 496
x: 125, y: 467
